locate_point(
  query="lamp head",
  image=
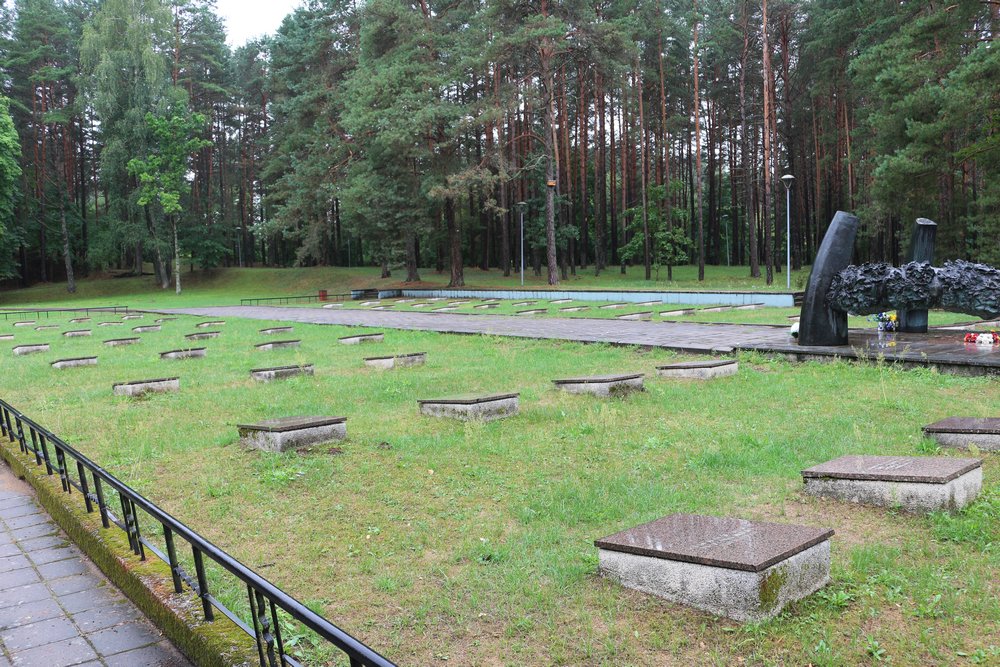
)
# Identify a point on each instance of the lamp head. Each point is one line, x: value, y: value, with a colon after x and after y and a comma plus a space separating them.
x: 787, y: 180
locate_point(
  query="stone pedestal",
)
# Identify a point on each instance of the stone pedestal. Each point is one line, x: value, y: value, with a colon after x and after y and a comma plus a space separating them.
x: 602, y: 385
x: 699, y: 370
x: 47, y: 327
x: 280, y: 372
x: 79, y: 333
x: 79, y: 320
x: 278, y: 344
x: 279, y: 435
x: 118, y: 342
x: 125, y: 318
x: 362, y: 338
x: 574, y: 309
x: 983, y: 432
x: 276, y: 330
x: 140, y: 387
x: 208, y: 325
x: 678, y: 313
x: 73, y: 363
x: 22, y: 350
x: 744, y: 570
x: 613, y: 306
x: 521, y: 304
x: 397, y: 361
x: 472, y: 407
x: 110, y: 324
x: 25, y: 324
x: 202, y: 335
x: 146, y: 329
x: 915, y: 484
x: 186, y: 353
x: 645, y: 316
x: 533, y: 311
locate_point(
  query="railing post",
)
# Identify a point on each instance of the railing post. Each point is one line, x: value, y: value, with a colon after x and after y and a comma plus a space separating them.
x: 168, y: 537
x: 84, y: 487
x: 199, y: 568
x: 101, y: 505
x: 45, y: 454
x: 61, y: 469
x: 21, y: 443
x: 34, y: 446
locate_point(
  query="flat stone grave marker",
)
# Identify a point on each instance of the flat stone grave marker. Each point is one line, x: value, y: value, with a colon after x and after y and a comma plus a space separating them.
x: 914, y: 483
x: 654, y: 302
x: 24, y: 324
x: 21, y: 350
x: 602, y: 385
x: 484, y: 306
x: 46, y: 327
x: 613, y: 306
x: 677, y: 313
x: 165, y: 319
x: 202, y: 335
x: 469, y: 407
x: 744, y: 570
x: 280, y: 435
x: 405, y: 300
x: 399, y: 360
x: 520, y: 304
x: 533, y: 311
x: 365, y: 304
x: 793, y: 318
x: 362, y: 338
x: 125, y: 318
x: 645, y: 316
x: 716, y: 309
x: 109, y: 324
x: 558, y: 301
x: 79, y: 320
x: 206, y: 325
x: 699, y: 370
x: 77, y: 333
x: 6, y: 336
x: 280, y: 372
x: 388, y: 306
x: 749, y: 306
x: 184, y: 353
x: 334, y: 305
x: 574, y: 309
x: 457, y: 303
x: 75, y: 362
x: 278, y: 344
x: 276, y: 330
x: 435, y: 299
x: 983, y: 432
x: 140, y: 387
x: 117, y: 342
x: 420, y: 305
x: 445, y: 309
x: 147, y: 329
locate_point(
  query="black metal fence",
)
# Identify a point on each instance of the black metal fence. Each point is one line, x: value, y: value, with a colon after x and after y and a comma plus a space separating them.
x: 49, y: 312
x: 97, y: 488
x: 306, y: 298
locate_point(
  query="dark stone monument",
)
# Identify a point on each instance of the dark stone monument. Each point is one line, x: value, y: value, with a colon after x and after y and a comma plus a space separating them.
x: 821, y: 324
x: 983, y: 432
x: 921, y: 250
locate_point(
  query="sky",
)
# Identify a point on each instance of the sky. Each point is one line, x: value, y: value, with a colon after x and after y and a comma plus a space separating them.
x: 246, y: 19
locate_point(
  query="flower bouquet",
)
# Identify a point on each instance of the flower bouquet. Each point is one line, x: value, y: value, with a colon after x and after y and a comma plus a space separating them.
x: 990, y: 338
x: 885, y: 321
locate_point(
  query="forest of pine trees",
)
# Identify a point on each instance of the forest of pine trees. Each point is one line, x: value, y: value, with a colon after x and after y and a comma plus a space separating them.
x: 412, y: 135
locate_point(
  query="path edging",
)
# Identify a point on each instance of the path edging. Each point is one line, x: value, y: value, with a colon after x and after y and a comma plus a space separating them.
x: 146, y: 583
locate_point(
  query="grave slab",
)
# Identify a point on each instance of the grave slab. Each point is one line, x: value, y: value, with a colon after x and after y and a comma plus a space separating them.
x: 486, y: 407
x: 21, y: 350
x: 334, y: 305
x: 47, y: 327
x: 365, y: 304
x: 677, y: 313
x: 6, y: 336
x: 749, y: 306
x: 279, y: 435
x: 602, y: 385
x: 125, y: 318
x: 558, y: 301
x: 140, y: 387
x: 913, y: 483
x: 206, y: 325
x: 362, y: 338
x: 645, y: 316
x: 533, y: 311
x: 445, y: 309
x: 184, y: 353
x: 75, y: 362
x: 744, y: 570
x: 202, y: 335
x: 116, y: 342
x: 613, y: 306
x: 280, y: 372
x: 716, y: 309
x: 24, y: 324
x: 485, y: 306
x: 521, y: 304
x: 574, y: 309
x: 165, y: 319
x: 109, y: 324
x: 420, y: 305
x: 278, y: 344
x: 983, y: 432
x: 146, y: 329
x: 77, y: 333
x: 397, y: 361
x: 79, y: 320
x: 276, y: 330
x: 699, y: 370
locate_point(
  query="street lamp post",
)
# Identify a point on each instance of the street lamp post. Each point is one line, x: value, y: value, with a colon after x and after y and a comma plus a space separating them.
x: 520, y: 207
x: 788, y: 179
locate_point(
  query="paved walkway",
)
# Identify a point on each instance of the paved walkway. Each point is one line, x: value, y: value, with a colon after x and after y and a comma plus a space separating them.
x: 56, y: 608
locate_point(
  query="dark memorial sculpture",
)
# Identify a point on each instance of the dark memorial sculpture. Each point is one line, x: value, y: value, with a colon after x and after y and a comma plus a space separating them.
x: 921, y: 250
x: 837, y: 288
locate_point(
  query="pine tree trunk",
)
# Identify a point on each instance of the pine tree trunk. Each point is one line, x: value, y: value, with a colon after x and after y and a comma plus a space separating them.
x: 67, y: 255
x: 697, y: 139
x: 177, y: 257
x: 455, y: 243
x: 766, y: 207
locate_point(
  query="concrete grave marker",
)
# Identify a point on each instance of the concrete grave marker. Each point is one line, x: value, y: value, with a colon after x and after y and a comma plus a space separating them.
x: 25, y: 323
x: 444, y: 309
x: 365, y: 304
x: 276, y: 330
x: 6, y: 336
x: 699, y: 370
x: 79, y: 320
x: 574, y: 309
x: 47, y: 327
x: 397, y: 361
x: 645, y: 316
x: 140, y: 387
x: 165, y: 319
x: 75, y: 362
x: 334, y: 305
x: 117, y: 342
x: 558, y: 301
x: 744, y: 570
x: 602, y: 385
x: 21, y: 350
x: 677, y: 313
x: 202, y: 335
x: 185, y: 353
x: 362, y: 338
x: 533, y: 311
x: 749, y: 306
x: 914, y: 483
x: 472, y: 407
x: 278, y: 344
x: 109, y: 324
x: 654, y: 302
x: 485, y: 306
x: 280, y: 435
x: 717, y: 309
x: 77, y: 333
x: 613, y: 306
x: 420, y: 305
x: 983, y: 432
x: 521, y: 304
x: 125, y: 318
x: 280, y: 372
x: 147, y: 329
x: 206, y: 325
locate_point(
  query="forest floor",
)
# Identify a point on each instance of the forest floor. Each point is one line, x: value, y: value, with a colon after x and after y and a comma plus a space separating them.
x: 441, y: 542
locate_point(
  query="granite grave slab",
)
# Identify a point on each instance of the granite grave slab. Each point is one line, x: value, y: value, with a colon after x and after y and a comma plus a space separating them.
x: 33, y: 348
x: 74, y: 362
x: 486, y: 306
x: 913, y: 483
x: 644, y: 316
x: 6, y: 336
x: 983, y: 432
x: 79, y: 320
x: 602, y: 385
x: 141, y: 387
x: 78, y: 333
x: 109, y: 324
x: 699, y: 370
x: 680, y: 312
x: 29, y: 323
x: 280, y: 372
x: 521, y: 304
x: 397, y: 361
x: 334, y: 305
x: 482, y: 407
x: 280, y: 435
x: 445, y: 309
x: 740, y: 569
x: 47, y: 327
x: 146, y: 329
x: 533, y: 311
x: 276, y: 330
x: 574, y: 309
x: 278, y: 344
x: 184, y: 353
x: 613, y: 306
x: 125, y: 318
x: 117, y: 342
x: 202, y: 335
x: 362, y: 338
x: 207, y: 325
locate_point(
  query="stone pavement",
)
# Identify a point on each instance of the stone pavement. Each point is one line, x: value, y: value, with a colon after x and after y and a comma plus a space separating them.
x: 56, y: 608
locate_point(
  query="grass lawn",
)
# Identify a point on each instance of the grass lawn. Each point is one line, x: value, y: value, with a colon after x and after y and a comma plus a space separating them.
x: 439, y: 542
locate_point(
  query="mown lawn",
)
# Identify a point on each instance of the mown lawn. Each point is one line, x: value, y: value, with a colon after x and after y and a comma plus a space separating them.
x: 439, y: 542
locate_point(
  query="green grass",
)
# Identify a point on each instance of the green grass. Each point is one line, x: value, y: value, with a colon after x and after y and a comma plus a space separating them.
x: 472, y: 544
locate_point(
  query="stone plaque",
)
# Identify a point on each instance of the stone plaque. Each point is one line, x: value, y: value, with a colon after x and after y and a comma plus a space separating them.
x: 921, y: 469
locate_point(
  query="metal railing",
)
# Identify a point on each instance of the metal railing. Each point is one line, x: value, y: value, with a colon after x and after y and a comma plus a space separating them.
x: 305, y: 298
x: 96, y: 487
x: 48, y: 312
